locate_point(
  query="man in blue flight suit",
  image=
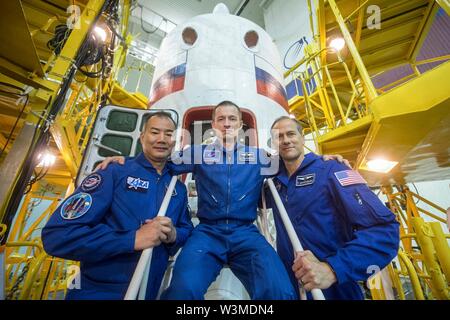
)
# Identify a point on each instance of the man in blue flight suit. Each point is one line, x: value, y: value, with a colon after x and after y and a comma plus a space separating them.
x: 111, y: 218
x: 344, y: 228
x: 229, y: 178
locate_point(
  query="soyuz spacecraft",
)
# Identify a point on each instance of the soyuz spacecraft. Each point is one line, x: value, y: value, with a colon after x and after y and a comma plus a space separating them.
x: 207, y: 59
x: 215, y: 57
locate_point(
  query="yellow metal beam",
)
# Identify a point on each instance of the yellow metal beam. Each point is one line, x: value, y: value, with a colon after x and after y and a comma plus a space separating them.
x: 23, y: 76
x: 17, y: 44
x: 413, y: 129
x: 424, y: 235
x: 371, y: 91
x: 356, y: 125
x: 415, y: 283
x: 442, y: 249
x: 65, y: 140
x: 65, y: 60
x: 422, y: 31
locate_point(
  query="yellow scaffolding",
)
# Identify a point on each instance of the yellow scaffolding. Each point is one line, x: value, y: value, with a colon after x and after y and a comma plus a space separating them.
x: 405, y: 121
x: 38, y: 74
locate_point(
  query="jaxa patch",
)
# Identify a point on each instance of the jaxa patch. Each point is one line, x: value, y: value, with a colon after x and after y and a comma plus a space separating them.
x: 306, y: 180
x: 91, y: 182
x: 247, y: 156
x: 137, y: 184
x: 76, y: 206
x: 211, y: 156
x: 174, y: 192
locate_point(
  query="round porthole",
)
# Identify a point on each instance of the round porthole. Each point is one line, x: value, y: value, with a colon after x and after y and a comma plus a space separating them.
x: 251, y: 39
x: 189, y: 36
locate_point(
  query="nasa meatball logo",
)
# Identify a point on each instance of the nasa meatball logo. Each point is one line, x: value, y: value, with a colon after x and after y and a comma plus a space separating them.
x: 211, y: 156
x: 76, y: 206
x: 91, y: 182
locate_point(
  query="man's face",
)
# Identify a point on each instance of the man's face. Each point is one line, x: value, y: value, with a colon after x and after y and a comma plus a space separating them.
x: 157, y: 141
x: 287, y: 139
x: 227, y: 123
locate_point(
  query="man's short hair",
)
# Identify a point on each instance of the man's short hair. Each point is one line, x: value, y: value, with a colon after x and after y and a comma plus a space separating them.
x: 159, y: 114
x: 226, y: 103
x: 297, y: 123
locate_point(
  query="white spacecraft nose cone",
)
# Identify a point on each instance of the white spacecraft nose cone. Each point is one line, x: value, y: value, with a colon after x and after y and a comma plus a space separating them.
x: 221, y: 8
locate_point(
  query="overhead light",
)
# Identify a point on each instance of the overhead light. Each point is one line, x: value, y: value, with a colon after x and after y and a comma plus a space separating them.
x: 46, y: 160
x: 100, y: 33
x: 380, y: 165
x: 337, y: 44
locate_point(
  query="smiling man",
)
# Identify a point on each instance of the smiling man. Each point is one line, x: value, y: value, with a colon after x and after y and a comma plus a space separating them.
x: 111, y: 218
x: 229, y: 178
x: 345, y: 229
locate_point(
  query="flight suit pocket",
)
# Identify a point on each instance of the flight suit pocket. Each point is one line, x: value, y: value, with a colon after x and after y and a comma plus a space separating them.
x: 369, y: 208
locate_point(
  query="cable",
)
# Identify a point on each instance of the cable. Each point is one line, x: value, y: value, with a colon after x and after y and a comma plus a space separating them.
x: 41, y: 133
x: 17, y: 119
x: 59, y: 39
x: 417, y: 192
x: 142, y: 22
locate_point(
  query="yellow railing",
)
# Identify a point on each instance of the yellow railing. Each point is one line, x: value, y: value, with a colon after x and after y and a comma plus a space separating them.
x: 326, y: 110
x: 424, y: 243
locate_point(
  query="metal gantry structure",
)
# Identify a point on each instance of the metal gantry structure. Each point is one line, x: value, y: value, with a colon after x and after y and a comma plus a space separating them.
x: 56, y: 70
x: 405, y: 121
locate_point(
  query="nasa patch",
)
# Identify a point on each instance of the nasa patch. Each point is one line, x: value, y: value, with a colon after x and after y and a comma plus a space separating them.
x: 210, y: 156
x: 91, y: 182
x: 76, y: 206
x: 137, y: 184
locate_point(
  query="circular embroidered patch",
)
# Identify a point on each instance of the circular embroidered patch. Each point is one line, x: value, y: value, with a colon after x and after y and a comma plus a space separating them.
x: 76, y: 206
x: 91, y: 182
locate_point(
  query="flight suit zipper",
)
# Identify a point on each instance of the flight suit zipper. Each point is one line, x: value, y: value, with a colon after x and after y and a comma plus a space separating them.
x: 229, y: 185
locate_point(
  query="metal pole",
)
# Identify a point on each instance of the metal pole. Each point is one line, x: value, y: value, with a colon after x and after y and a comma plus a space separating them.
x: 140, y: 276
x: 316, y: 293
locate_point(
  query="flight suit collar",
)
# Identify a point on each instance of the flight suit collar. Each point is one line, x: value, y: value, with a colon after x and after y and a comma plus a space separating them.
x: 308, y: 160
x: 142, y: 160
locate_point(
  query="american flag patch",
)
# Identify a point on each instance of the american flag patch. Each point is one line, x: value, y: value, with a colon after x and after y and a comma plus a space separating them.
x: 349, y: 177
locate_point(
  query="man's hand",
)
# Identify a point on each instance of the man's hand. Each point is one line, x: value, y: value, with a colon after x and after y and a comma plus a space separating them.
x: 169, y: 230
x: 311, y: 272
x: 150, y: 234
x: 108, y: 160
x: 338, y: 158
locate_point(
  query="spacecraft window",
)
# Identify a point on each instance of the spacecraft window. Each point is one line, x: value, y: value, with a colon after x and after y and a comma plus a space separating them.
x: 251, y: 39
x: 189, y: 36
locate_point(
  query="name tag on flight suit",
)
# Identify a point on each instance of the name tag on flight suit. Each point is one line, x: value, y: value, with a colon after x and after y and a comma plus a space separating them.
x: 306, y: 180
x: 246, y: 157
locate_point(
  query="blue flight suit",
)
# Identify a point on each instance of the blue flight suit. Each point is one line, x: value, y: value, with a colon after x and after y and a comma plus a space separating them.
x: 339, y: 219
x: 98, y: 223
x: 229, y: 186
